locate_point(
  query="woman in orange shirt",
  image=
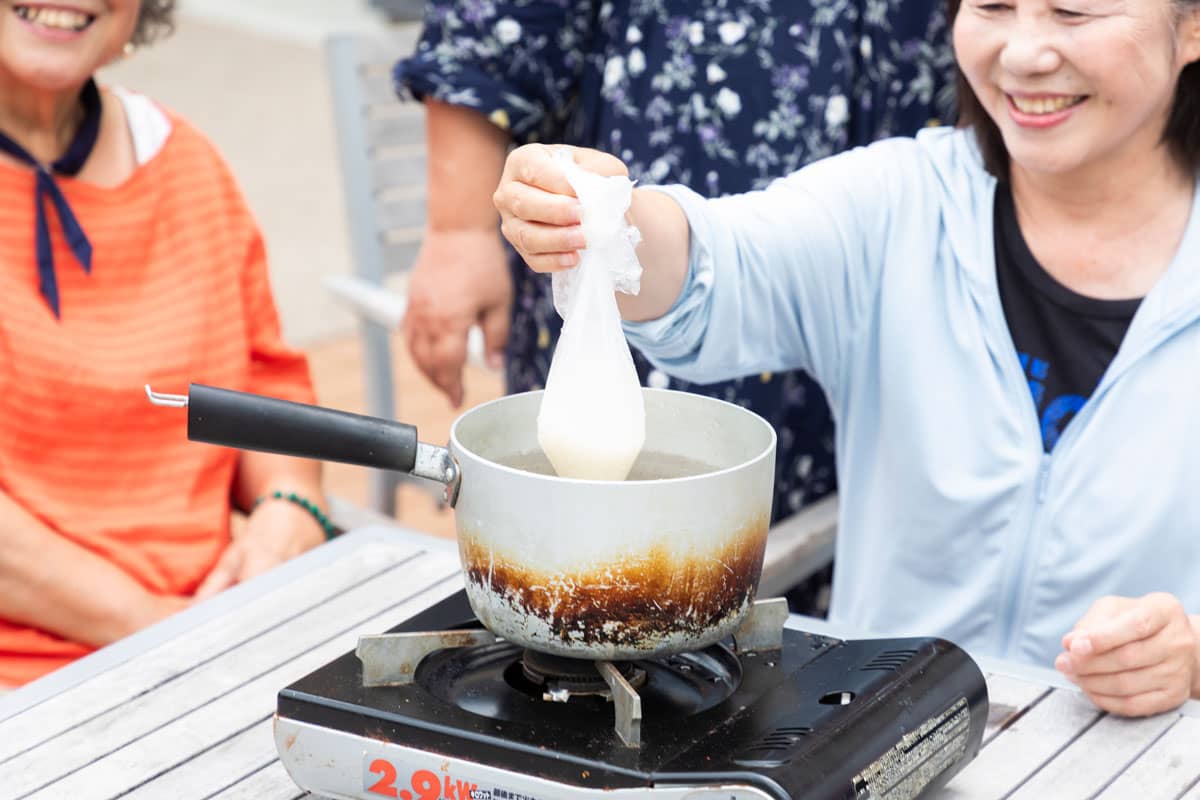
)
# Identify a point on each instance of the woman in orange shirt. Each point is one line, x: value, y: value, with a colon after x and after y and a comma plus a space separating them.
x: 127, y: 256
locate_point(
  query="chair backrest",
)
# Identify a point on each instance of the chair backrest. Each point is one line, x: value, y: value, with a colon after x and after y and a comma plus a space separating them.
x: 381, y: 144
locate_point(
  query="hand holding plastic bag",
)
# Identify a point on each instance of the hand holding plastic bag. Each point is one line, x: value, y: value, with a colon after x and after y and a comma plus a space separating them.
x: 592, y: 422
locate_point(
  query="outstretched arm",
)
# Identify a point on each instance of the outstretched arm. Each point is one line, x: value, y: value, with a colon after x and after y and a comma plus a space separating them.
x: 767, y: 280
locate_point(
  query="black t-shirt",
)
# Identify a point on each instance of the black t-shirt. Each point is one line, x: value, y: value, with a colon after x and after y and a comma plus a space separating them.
x: 1065, y: 340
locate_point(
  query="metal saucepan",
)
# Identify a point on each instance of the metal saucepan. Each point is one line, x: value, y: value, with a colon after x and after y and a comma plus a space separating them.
x: 666, y: 562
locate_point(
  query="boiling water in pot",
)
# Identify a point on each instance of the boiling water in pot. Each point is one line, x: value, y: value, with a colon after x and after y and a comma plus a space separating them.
x: 649, y: 466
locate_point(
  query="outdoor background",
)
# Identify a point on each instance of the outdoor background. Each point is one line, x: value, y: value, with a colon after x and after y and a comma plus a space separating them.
x: 252, y: 75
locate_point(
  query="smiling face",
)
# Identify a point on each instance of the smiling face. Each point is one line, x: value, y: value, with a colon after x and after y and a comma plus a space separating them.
x: 56, y: 45
x: 1075, y: 84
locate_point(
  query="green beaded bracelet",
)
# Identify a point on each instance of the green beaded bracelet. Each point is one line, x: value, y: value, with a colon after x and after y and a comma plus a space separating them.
x: 307, y: 505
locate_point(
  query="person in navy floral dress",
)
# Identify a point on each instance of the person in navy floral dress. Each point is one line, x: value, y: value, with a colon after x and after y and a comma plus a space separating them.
x: 721, y: 95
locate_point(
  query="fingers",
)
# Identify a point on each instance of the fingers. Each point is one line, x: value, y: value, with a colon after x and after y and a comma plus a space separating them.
x: 448, y: 353
x: 537, y: 165
x: 258, y: 561
x: 495, y: 324
x: 275, y: 533
x: 1133, y: 656
x: 599, y: 162
x: 438, y: 344
x: 536, y: 204
x: 1127, y: 683
x: 550, y: 262
x: 1101, y: 611
x: 460, y: 276
x: 532, y: 235
x: 1139, y: 705
x: 440, y: 356
x: 534, y: 165
x: 545, y: 248
x: 545, y: 232
x: 223, y: 574
x: 1120, y: 624
x: 538, y: 209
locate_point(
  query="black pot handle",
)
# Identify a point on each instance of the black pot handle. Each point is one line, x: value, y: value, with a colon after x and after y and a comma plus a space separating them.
x: 253, y: 422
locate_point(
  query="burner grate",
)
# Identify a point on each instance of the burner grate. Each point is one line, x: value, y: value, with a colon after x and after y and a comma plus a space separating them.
x: 491, y: 681
x: 501, y: 677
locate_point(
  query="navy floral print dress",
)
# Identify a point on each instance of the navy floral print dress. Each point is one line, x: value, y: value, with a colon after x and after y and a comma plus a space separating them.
x: 721, y: 95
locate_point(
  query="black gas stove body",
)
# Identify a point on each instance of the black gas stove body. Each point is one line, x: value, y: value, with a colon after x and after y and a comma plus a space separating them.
x: 822, y: 718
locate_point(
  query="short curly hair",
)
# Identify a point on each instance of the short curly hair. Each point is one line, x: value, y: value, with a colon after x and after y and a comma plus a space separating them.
x: 155, y: 20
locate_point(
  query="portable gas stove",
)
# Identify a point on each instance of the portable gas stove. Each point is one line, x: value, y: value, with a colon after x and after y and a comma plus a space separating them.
x: 454, y: 714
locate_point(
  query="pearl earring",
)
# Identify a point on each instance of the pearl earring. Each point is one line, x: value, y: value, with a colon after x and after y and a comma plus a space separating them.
x: 128, y: 49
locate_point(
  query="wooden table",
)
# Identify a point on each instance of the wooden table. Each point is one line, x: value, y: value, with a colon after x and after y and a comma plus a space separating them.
x: 183, y: 710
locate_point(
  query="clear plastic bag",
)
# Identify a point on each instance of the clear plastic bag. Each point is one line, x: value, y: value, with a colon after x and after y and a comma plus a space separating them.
x: 592, y: 421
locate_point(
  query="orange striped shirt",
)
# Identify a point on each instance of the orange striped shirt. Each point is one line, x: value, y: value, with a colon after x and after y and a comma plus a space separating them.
x: 178, y: 293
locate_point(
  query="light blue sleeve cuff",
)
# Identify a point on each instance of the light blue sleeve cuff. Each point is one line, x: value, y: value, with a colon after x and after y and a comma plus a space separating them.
x: 673, y: 340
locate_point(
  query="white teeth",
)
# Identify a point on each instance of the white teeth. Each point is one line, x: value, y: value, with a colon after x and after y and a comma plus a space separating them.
x: 1044, y: 105
x: 60, y: 18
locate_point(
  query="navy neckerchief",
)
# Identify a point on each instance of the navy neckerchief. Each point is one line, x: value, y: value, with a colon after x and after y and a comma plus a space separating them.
x: 71, y: 162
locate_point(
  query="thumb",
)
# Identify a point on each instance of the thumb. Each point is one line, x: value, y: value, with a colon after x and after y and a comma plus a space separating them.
x: 495, y: 325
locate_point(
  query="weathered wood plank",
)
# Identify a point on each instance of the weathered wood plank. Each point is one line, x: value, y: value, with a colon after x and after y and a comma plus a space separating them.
x: 270, y: 783
x: 210, y: 772
x: 244, y: 682
x: 1008, y: 698
x: 207, y: 641
x: 1094, y: 759
x: 1167, y: 769
x: 1024, y: 747
x: 189, y: 735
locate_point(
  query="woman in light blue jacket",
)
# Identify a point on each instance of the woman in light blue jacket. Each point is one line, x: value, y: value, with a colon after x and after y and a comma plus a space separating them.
x: 1006, y: 319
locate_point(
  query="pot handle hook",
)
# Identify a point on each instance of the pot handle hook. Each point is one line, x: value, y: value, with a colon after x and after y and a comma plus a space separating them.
x: 253, y: 422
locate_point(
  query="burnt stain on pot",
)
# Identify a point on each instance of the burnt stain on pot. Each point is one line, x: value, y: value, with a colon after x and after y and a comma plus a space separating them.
x: 635, y: 599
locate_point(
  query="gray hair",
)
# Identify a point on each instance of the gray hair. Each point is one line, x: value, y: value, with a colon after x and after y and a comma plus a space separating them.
x: 155, y: 20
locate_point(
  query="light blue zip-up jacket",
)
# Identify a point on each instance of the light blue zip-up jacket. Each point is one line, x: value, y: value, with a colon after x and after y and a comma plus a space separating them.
x: 875, y: 271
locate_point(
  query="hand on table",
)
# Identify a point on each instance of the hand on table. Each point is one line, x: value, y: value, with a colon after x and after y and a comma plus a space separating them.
x: 460, y: 278
x: 1134, y: 656
x: 275, y: 531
